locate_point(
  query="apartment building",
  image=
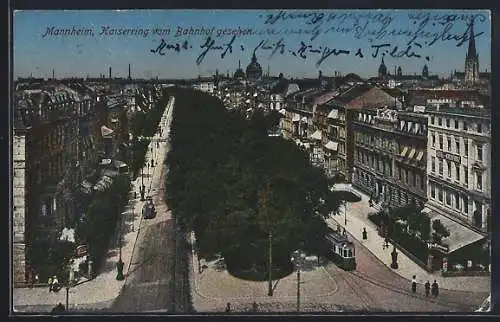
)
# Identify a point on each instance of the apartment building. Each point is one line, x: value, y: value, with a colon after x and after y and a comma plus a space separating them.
x: 389, y: 155
x: 459, y: 165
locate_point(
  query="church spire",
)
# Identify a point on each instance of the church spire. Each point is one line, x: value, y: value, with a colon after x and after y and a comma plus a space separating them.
x: 471, y: 52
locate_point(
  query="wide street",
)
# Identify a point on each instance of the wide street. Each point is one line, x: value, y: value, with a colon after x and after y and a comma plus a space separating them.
x: 150, y: 285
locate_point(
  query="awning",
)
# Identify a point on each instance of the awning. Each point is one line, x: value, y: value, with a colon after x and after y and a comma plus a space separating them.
x: 296, y: 118
x: 412, y: 153
x: 332, y: 146
x: 404, y: 151
x: 317, y: 135
x: 420, y: 155
x: 333, y: 114
x: 304, y: 119
x: 105, y: 131
x: 460, y: 236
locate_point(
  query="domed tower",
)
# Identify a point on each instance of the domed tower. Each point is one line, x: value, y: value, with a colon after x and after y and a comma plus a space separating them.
x: 425, y: 71
x: 382, y: 69
x: 239, y: 74
x: 254, y: 70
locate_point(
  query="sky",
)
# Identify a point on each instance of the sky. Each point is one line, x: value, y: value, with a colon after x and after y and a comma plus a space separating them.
x: 433, y: 35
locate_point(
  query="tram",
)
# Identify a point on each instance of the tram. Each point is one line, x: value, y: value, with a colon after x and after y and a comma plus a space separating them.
x: 341, y: 251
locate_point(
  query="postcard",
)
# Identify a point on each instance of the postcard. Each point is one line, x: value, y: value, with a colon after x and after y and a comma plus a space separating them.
x: 251, y: 161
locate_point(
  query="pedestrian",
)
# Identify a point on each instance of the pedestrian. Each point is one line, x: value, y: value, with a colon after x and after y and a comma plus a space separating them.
x: 427, y: 288
x: 55, y: 284
x: 364, y: 234
x: 414, y: 284
x: 59, y: 308
x: 254, y: 307
x: 37, y: 279
x: 228, y: 307
x: 386, y: 243
x: 435, y: 289
x: 50, y: 284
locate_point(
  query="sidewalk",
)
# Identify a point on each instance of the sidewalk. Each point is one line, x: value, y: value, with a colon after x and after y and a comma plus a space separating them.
x: 357, y: 219
x: 102, y: 290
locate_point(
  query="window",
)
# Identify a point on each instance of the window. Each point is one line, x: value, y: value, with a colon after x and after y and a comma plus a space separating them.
x: 440, y: 142
x: 440, y: 121
x: 448, y: 165
x: 440, y: 166
x: 479, y: 181
x: 466, y: 148
x: 414, y: 179
x: 422, y: 182
x: 457, y: 172
x: 479, y: 152
x: 457, y: 145
x: 465, y: 126
x: 433, y: 191
x: 466, y: 175
x: 440, y: 194
x: 400, y: 173
x: 433, y: 164
x: 457, y: 201
x: 449, y: 143
x: 432, y: 119
x: 466, y: 204
x: 456, y: 124
x: 479, y: 128
x: 406, y: 176
x: 448, y: 198
x: 433, y: 137
x: 447, y: 122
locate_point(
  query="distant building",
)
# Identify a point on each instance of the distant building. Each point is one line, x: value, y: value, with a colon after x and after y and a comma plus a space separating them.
x: 471, y: 75
x: 254, y: 70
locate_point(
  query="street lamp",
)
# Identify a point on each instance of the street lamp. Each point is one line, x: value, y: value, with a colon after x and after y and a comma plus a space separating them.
x: 270, y: 283
x: 119, y: 264
x: 298, y: 258
x: 69, y: 284
x: 142, y: 184
x: 345, y: 212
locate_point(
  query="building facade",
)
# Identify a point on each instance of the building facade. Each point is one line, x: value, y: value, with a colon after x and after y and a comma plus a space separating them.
x: 389, y: 156
x: 459, y: 165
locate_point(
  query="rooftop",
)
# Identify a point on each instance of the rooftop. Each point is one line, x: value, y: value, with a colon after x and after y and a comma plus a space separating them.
x: 470, y: 111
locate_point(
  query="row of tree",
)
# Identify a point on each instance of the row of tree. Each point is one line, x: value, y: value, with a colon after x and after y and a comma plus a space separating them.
x: 235, y: 186
x: 143, y: 125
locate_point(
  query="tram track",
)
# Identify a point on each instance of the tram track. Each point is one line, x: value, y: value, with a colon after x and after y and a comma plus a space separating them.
x: 387, y: 286
x: 354, y: 285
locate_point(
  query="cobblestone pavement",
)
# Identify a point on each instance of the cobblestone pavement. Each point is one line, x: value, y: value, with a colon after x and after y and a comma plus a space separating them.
x: 104, y: 288
x: 357, y: 219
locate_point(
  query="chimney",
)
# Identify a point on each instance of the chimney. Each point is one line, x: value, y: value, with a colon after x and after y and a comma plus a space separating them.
x: 129, y: 75
x: 109, y: 72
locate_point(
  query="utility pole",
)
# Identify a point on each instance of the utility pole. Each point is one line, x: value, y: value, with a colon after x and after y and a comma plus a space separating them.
x: 270, y: 291
x: 298, y: 288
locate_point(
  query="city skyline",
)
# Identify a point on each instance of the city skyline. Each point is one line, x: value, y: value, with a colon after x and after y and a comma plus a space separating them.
x: 38, y: 50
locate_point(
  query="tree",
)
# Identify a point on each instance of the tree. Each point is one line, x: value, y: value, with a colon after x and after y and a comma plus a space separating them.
x: 224, y: 184
x: 440, y: 231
